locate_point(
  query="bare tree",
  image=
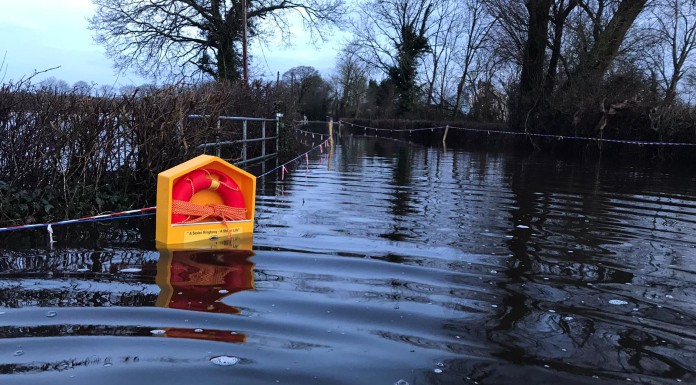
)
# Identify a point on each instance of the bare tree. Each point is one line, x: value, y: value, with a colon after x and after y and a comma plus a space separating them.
x: 531, y: 96
x: 436, y: 63
x: 187, y: 37
x: 55, y: 85
x: 535, y: 36
x: 476, y: 27
x: 309, y: 92
x: 611, y: 21
x: 390, y: 36
x: 510, y: 28
x: 81, y: 87
x: 675, y: 28
x: 349, y: 84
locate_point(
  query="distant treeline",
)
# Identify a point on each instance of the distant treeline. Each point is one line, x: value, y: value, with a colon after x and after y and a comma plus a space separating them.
x: 592, y: 68
x: 66, y: 153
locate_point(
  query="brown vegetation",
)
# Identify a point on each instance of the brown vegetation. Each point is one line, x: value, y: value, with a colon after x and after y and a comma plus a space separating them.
x: 64, y: 154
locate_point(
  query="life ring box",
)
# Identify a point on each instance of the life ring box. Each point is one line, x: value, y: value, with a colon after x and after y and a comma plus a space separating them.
x: 205, y: 198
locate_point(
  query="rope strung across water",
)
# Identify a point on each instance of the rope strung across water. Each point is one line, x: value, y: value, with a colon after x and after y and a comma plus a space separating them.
x: 144, y: 212
x: 319, y: 146
x: 558, y: 137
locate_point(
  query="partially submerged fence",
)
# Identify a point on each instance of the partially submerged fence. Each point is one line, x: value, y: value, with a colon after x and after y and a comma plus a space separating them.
x: 253, y: 131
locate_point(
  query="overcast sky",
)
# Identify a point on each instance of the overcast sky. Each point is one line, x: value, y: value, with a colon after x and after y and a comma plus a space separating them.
x: 39, y: 34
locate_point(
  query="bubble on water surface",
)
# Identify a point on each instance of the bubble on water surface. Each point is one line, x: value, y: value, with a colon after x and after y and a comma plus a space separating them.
x: 437, y: 370
x: 223, y: 291
x: 51, y: 314
x: 18, y: 353
x: 617, y: 302
x: 224, y: 360
x: 522, y: 227
x: 157, y: 332
x: 401, y: 382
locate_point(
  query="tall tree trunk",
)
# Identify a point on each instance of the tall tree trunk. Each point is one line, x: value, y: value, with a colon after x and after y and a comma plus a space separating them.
x: 431, y: 82
x: 227, y: 61
x: 460, y: 89
x: 531, y: 91
x: 226, y: 28
x: 607, y: 46
x: 559, y: 19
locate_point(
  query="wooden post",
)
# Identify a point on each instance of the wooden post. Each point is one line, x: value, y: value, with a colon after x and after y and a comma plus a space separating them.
x: 331, y: 141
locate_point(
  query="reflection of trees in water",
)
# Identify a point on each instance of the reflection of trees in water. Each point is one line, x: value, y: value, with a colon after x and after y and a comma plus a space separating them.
x: 74, y: 330
x: 589, y: 234
x: 56, y: 366
x: 565, y: 268
x: 77, y: 278
x: 21, y: 296
x: 28, y: 262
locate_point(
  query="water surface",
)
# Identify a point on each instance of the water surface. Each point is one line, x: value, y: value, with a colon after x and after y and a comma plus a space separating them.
x: 381, y: 263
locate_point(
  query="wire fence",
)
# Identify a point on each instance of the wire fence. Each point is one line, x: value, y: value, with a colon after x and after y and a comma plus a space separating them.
x: 520, y: 134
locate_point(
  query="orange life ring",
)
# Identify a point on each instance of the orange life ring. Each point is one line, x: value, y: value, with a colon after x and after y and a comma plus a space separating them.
x: 202, y: 179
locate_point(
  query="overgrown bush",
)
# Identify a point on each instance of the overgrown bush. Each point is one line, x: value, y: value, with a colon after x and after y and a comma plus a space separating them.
x: 64, y: 154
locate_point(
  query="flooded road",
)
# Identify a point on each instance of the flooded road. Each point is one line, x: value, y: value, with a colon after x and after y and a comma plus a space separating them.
x: 384, y: 264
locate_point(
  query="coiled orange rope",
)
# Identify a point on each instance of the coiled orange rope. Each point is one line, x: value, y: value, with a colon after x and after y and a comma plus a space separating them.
x: 198, y: 213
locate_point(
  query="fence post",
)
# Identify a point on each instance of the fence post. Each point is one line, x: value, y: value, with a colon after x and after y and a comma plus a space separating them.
x: 217, y: 137
x: 244, y: 138
x: 277, y: 141
x: 263, y: 137
x: 331, y: 141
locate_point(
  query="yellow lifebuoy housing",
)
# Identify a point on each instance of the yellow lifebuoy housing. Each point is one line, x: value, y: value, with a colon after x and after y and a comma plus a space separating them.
x: 214, y: 224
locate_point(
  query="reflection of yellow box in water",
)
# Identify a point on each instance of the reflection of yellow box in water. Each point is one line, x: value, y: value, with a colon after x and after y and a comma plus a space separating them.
x: 198, y: 275
x: 205, y: 181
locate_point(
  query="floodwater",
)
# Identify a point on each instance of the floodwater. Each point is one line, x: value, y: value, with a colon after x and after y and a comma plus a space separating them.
x: 385, y: 263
